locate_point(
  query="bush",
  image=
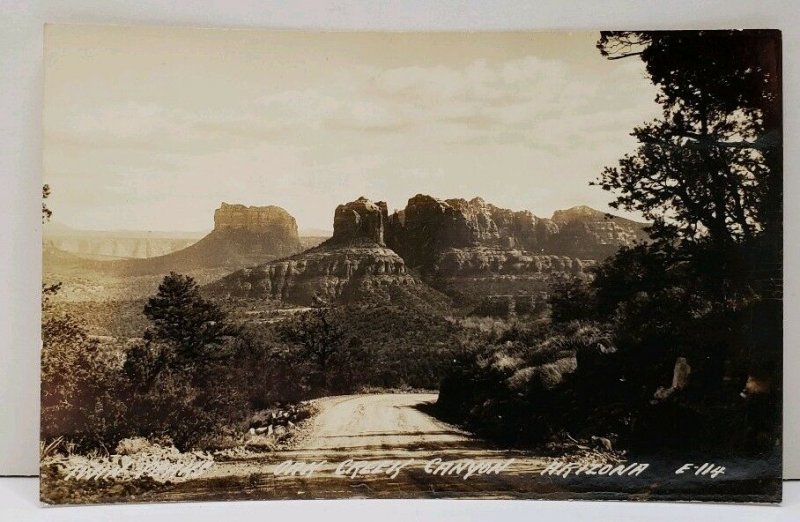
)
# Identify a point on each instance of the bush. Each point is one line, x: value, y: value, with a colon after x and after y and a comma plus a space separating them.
x: 571, y: 298
x: 83, y: 392
x: 515, y: 386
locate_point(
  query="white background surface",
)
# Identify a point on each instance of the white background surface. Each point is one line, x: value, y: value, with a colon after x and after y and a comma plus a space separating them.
x: 18, y: 502
x: 21, y: 68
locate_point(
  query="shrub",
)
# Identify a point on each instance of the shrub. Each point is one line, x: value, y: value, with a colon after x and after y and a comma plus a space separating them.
x: 81, y: 385
x: 571, y: 298
x: 174, y: 406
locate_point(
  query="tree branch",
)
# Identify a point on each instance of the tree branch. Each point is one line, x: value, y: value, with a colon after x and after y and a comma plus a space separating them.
x: 624, y: 55
x: 699, y: 139
x: 757, y: 144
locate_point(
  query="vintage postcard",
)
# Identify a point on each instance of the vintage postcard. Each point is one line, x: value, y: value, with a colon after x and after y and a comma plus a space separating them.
x: 303, y: 264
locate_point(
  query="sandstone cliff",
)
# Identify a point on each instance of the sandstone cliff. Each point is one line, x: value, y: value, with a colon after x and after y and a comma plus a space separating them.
x: 474, y: 251
x: 352, y: 266
x: 468, y: 249
x: 360, y: 219
x: 427, y: 226
x: 590, y: 234
x: 242, y: 236
x: 474, y: 274
x: 277, y: 225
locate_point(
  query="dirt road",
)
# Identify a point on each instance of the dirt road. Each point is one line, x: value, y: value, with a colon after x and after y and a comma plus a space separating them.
x: 386, y: 446
x: 385, y: 424
x: 370, y: 446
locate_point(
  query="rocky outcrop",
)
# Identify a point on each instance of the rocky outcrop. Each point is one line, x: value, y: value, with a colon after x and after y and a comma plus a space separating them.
x: 354, y: 265
x: 320, y: 276
x: 486, y: 260
x: 258, y: 231
x: 271, y: 220
x: 242, y: 236
x: 590, y: 234
x: 428, y: 226
x: 360, y: 219
x: 474, y: 251
x: 476, y: 275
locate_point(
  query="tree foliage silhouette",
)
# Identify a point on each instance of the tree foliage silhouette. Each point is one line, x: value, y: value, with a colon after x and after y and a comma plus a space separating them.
x: 709, y: 171
x: 708, y: 175
x: 181, y: 318
x: 318, y: 333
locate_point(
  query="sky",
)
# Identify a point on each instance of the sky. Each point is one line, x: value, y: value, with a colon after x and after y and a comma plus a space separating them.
x: 152, y: 128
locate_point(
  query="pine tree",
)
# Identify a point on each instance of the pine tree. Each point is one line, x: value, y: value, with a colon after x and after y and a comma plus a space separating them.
x: 191, y: 325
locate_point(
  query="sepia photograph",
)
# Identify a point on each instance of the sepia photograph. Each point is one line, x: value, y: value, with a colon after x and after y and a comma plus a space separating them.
x: 295, y: 264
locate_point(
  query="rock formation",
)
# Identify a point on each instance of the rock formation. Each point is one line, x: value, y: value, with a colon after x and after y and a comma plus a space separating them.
x: 269, y: 219
x: 360, y: 219
x: 352, y: 266
x: 474, y: 274
x: 481, y: 260
x: 428, y: 226
x: 473, y: 250
x: 470, y: 250
x: 242, y: 236
x: 590, y: 234
x: 320, y: 276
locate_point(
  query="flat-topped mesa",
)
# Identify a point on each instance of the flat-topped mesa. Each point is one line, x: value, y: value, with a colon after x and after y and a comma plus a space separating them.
x: 242, y: 236
x: 360, y: 219
x: 255, y: 219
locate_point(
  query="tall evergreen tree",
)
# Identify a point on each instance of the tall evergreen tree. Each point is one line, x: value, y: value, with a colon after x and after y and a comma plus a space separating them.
x: 193, y: 326
x: 709, y: 172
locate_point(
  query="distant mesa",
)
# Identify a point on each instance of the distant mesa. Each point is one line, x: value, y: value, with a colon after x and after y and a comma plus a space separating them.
x: 258, y: 220
x: 242, y: 236
x: 115, y: 244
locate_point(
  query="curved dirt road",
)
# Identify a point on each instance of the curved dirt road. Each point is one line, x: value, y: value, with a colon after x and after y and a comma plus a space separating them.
x: 385, y: 423
x: 369, y: 446
x: 386, y: 446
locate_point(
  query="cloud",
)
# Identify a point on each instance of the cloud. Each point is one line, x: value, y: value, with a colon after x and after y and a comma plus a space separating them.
x: 523, y: 132
x: 530, y: 100
x: 526, y: 100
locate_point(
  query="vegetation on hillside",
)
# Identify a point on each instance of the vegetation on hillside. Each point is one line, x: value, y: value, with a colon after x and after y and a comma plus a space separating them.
x: 677, y: 342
